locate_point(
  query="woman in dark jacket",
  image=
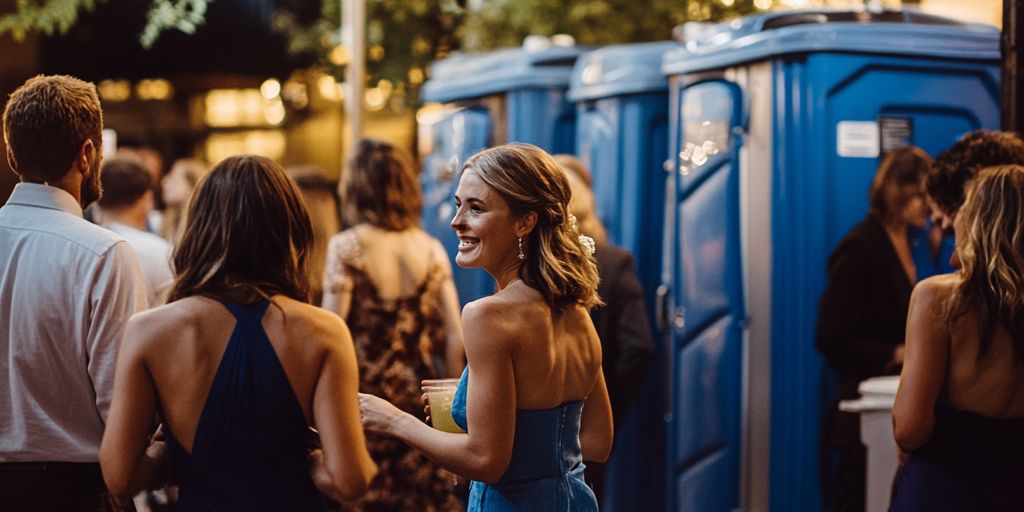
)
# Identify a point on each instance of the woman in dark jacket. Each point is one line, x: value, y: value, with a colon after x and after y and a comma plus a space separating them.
x: 863, y: 312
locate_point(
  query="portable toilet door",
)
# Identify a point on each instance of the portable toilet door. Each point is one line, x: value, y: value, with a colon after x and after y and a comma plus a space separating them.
x: 622, y: 137
x: 510, y: 95
x: 778, y: 125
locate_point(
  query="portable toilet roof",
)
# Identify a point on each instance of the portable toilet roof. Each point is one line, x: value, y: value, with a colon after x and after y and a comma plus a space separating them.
x: 620, y: 69
x: 473, y: 75
x: 893, y: 32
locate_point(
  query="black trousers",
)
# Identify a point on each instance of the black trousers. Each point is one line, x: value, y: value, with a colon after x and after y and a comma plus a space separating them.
x: 53, y: 487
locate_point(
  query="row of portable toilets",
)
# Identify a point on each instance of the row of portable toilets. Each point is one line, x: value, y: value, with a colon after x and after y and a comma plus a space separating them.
x: 730, y: 165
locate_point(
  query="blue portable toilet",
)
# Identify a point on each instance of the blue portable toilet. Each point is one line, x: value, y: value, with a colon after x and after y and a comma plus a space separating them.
x: 509, y: 95
x: 622, y: 137
x: 777, y: 125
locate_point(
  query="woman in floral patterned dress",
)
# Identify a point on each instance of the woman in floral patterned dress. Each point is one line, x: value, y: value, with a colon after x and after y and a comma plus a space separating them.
x: 391, y: 282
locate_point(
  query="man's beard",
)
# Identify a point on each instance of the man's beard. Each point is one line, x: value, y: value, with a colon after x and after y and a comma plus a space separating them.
x: 92, y: 188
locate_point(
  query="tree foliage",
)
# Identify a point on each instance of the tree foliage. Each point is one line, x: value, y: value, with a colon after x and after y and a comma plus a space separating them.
x: 404, y: 36
x: 57, y: 16
x: 497, y: 23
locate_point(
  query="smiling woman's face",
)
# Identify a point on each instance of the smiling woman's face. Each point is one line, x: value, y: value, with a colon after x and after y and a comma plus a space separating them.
x: 485, y: 226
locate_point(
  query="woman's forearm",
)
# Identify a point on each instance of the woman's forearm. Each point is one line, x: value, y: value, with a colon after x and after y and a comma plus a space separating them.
x: 454, y: 452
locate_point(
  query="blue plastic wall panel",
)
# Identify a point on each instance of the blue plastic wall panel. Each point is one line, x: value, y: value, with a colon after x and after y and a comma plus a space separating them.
x: 620, y: 70
x: 819, y: 195
x: 457, y: 136
x: 623, y: 140
x: 464, y: 76
x: 542, y: 117
x: 752, y: 38
x: 707, y: 303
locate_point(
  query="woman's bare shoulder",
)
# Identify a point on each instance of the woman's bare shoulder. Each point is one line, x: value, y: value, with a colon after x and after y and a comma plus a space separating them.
x: 936, y: 288
x: 170, y: 323
x: 311, y: 323
x: 511, y: 314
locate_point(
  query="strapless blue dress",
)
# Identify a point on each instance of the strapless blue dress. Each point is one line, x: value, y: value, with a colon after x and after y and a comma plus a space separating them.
x: 545, y: 473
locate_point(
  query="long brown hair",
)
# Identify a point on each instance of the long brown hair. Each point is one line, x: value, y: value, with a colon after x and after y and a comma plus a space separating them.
x: 379, y: 187
x: 991, y: 251
x: 248, y: 235
x: 902, y: 166
x: 556, y: 263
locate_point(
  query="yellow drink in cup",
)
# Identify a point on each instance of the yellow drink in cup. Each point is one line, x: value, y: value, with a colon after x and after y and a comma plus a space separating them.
x: 440, y: 394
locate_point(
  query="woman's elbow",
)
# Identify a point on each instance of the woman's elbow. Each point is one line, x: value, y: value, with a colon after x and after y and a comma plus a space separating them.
x: 489, y: 470
x: 911, y: 435
x: 597, y: 451
x: 352, y: 484
x: 118, y: 482
x: 115, y: 476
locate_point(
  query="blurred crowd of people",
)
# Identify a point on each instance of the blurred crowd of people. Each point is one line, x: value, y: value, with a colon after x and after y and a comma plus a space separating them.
x: 231, y: 389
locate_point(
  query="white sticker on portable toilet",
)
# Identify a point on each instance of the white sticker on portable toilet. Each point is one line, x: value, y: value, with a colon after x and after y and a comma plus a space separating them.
x: 857, y: 139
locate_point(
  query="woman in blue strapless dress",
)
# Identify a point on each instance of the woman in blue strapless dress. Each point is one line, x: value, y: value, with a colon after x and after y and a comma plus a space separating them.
x: 237, y: 365
x: 959, y: 411
x: 532, y: 399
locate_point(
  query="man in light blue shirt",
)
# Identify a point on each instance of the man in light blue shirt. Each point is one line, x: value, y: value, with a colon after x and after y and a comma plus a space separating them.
x: 67, y: 288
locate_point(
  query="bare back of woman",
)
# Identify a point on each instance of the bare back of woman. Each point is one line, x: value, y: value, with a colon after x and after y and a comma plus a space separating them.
x: 557, y: 358
x: 991, y: 384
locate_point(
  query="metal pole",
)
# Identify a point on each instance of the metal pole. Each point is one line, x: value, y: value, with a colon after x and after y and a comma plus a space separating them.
x: 1013, y: 64
x: 353, y: 37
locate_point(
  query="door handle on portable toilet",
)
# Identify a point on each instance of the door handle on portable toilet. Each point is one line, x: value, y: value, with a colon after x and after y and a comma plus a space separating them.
x: 661, y: 308
x: 668, y: 342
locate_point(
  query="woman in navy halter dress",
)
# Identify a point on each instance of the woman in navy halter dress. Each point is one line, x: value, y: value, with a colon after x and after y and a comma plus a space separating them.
x: 237, y: 366
x: 532, y: 399
x: 959, y: 411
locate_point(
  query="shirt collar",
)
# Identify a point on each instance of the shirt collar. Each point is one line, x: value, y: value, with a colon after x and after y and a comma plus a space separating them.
x: 44, y: 196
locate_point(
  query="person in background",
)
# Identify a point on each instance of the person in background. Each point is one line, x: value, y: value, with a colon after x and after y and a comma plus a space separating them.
x: 153, y: 162
x: 621, y: 323
x: 959, y: 410
x: 124, y: 209
x: 322, y: 203
x: 67, y: 288
x: 177, y: 188
x: 956, y: 166
x: 863, y: 310
x: 237, y: 365
x: 532, y: 400
x: 949, y: 173
x: 392, y: 283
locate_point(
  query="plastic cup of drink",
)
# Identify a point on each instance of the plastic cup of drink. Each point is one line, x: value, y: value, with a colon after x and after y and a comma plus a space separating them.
x: 440, y: 393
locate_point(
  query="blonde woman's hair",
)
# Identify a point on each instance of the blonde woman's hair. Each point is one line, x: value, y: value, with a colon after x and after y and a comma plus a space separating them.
x: 556, y: 263
x: 991, y: 250
x: 582, y: 204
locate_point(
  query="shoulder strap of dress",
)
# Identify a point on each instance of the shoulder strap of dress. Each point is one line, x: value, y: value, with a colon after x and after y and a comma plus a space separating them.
x: 243, y: 312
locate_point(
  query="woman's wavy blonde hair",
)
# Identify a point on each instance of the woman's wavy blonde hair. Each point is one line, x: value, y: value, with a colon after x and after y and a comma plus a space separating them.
x: 556, y: 263
x: 991, y: 251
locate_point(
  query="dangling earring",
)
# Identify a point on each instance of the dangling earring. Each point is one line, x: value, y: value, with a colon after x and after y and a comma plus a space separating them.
x: 521, y: 255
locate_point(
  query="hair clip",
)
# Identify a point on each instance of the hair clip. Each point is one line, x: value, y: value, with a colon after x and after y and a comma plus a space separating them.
x: 588, y: 244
